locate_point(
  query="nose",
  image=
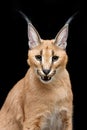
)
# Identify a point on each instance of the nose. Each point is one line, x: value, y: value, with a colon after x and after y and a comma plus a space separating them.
x: 46, y: 71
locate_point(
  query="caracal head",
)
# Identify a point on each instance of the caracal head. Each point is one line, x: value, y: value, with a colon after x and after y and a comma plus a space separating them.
x: 47, y: 57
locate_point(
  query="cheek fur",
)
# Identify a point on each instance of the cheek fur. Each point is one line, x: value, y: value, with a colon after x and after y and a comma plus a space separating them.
x: 34, y: 62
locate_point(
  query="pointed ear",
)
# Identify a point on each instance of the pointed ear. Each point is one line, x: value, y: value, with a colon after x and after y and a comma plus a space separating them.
x: 61, y: 38
x: 33, y: 36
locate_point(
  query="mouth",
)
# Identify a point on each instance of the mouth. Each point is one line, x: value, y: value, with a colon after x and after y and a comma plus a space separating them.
x: 46, y: 78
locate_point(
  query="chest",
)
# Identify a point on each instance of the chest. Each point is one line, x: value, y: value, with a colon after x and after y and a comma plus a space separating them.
x: 47, y: 109
x: 53, y: 121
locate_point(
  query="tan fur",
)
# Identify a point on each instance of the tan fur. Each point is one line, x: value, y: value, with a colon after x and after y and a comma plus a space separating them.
x: 36, y: 105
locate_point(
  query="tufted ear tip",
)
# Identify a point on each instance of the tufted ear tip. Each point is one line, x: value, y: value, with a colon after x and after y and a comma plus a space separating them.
x: 33, y: 35
x: 25, y: 17
x: 61, y: 38
x: 71, y: 18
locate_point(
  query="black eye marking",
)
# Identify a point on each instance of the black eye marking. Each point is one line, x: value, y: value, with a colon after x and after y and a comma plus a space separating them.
x: 38, y: 57
x: 55, y: 58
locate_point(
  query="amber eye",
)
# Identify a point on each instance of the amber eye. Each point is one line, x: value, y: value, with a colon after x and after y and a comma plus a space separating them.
x: 38, y: 57
x: 55, y: 58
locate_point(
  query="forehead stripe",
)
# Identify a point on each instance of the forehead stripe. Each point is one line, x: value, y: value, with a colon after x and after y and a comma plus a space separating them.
x: 52, y: 52
x: 41, y: 52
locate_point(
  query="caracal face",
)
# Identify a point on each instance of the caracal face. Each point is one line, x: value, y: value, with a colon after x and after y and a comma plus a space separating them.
x: 47, y: 60
x: 47, y: 57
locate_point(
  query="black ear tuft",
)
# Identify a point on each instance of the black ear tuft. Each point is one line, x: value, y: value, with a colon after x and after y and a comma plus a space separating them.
x: 71, y: 18
x: 61, y: 38
x: 33, y: 35
x: 25, y: 17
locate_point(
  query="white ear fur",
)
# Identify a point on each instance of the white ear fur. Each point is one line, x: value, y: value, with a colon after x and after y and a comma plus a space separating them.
x: 61, y: 38
x: 33, y: 36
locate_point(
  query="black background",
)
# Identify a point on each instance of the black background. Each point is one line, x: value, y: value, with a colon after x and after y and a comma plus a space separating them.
x: 48, y: 16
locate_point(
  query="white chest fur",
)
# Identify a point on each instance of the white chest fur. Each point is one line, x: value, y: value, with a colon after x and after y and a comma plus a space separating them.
x: 53, y: 121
